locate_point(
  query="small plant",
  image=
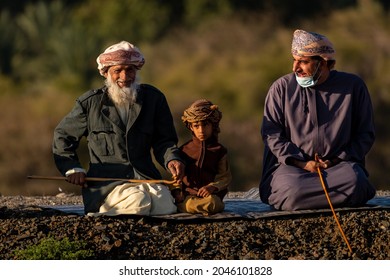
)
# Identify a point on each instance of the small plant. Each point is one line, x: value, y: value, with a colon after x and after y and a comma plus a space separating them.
x: 52, y: 249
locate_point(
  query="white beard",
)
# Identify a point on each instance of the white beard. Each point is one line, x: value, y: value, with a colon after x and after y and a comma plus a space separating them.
x: 121, y: 96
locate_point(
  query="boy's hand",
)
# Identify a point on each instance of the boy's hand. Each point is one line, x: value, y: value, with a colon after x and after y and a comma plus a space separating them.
x: 206, y: 191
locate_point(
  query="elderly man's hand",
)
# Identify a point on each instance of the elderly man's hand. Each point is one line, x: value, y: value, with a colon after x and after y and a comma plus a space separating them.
x: 176, y: 168
x: 77, y: 178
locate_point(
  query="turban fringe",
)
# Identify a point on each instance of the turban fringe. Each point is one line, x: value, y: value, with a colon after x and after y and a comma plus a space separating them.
x: 122, y: 53
x: 312, y: 44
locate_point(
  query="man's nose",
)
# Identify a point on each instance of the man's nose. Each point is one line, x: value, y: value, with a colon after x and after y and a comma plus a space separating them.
x: 124, y: 75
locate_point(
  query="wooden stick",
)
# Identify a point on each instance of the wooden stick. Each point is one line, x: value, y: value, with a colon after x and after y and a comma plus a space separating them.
x: 96, y: 179
x: 331, y: 206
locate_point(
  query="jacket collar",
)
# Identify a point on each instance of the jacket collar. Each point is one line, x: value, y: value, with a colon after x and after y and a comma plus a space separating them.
x: 109, y: 110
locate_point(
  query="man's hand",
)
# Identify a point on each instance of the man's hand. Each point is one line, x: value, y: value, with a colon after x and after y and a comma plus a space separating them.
x: 177, y: 170
x: 77, y: 178
x: 310, y: 165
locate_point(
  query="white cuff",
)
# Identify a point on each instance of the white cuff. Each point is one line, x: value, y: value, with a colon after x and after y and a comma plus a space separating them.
x: 75, y: 170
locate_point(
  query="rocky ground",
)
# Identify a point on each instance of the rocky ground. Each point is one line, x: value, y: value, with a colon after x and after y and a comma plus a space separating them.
x: 314, y: 236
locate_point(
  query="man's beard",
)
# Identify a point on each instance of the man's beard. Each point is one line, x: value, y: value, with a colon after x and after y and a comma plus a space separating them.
x: 121, y: 96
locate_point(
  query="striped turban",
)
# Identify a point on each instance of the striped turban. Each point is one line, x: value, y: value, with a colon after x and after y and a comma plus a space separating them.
x: 120, y: 54
x: 202, y: 110
x: 312, y: 44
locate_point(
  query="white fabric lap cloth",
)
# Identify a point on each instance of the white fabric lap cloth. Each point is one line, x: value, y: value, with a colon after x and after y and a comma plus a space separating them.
x: 138, y: 199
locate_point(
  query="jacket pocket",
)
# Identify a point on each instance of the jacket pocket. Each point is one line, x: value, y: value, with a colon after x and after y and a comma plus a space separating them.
x: 101, y: 141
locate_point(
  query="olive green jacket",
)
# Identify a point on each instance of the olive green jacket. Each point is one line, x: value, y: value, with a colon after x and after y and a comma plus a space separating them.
x: 116, y: 150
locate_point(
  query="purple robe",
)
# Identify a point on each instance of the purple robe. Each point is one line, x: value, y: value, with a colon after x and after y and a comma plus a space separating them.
x: 333, y: 119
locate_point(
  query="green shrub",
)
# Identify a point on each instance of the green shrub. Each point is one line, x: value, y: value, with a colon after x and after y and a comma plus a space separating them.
x: 52, y: 249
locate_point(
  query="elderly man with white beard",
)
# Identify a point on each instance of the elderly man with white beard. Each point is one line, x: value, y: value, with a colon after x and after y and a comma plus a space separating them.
x: 123, y: 122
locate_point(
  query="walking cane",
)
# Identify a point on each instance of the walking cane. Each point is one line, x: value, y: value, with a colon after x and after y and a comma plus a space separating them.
x: 96, y: 179
x: 331, y: 206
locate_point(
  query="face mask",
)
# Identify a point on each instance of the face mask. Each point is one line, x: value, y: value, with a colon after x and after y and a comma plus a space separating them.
x: 309, y: 80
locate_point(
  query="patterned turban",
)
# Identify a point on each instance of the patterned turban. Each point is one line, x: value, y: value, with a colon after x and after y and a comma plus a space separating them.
x: 202, y: 110
x: 312, y: 44
x: 118, y: 54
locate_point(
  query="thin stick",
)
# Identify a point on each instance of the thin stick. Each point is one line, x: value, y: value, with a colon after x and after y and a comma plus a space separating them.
x: 331, y: 206
x: 96, y: 179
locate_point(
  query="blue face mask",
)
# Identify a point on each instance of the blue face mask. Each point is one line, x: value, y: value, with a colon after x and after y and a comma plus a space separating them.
x: 308, y: 81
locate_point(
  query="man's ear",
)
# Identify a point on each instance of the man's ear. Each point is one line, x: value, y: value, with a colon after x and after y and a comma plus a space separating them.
x: 323, y: 64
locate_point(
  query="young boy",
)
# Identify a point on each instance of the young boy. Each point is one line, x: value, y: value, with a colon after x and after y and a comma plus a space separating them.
x: 207, y: 173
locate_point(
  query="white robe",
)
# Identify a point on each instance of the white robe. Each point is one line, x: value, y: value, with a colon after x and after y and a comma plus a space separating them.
x: 138, y: 199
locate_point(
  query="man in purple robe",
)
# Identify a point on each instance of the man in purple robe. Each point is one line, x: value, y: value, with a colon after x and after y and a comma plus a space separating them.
x: 316, y: 110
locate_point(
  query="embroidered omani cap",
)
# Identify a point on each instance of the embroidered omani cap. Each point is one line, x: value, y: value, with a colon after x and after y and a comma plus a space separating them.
x: 312, y: 44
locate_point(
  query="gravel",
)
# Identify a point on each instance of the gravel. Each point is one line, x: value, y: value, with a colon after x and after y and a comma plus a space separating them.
x: 306, y: 237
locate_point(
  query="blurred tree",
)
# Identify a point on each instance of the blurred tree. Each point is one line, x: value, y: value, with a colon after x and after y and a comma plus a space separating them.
x: 37, y: 26
x: 46, y: 47
x: 74, y: 58
x: 196, y: 12
x: 132, y: 20
x: 17, y: 7
x: 7, y: 34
